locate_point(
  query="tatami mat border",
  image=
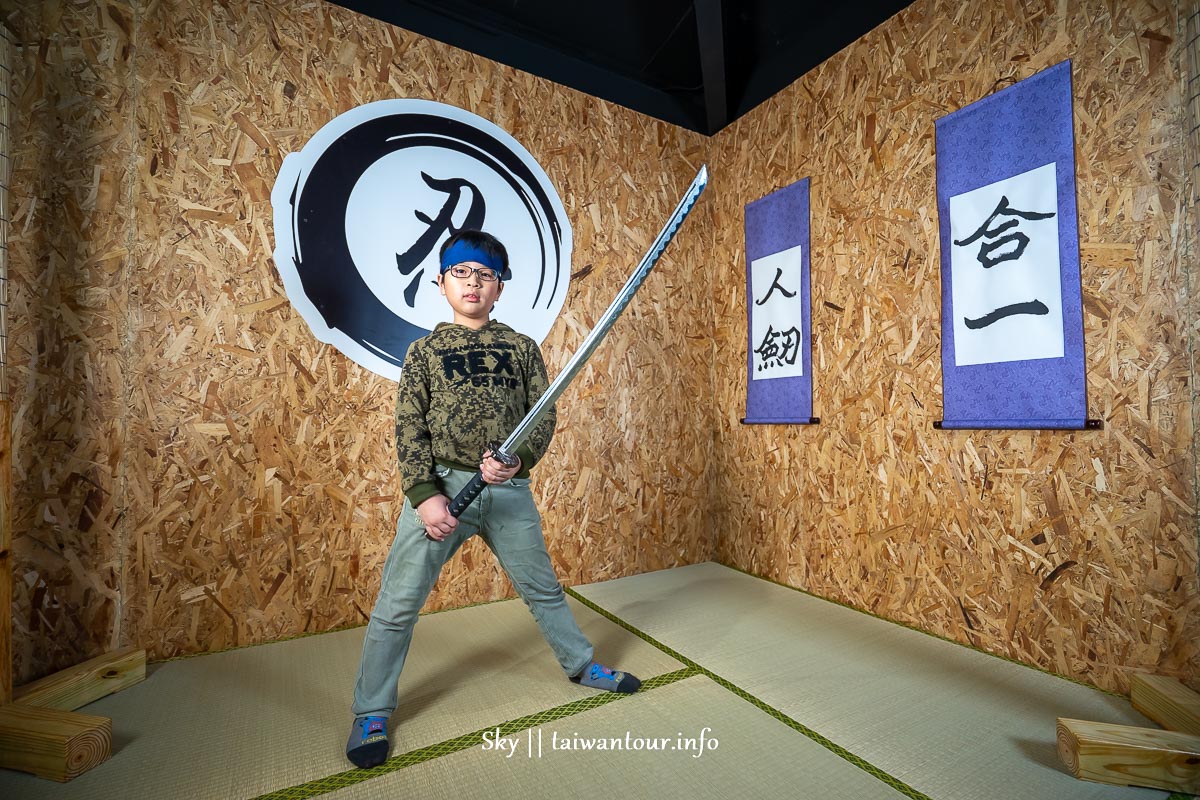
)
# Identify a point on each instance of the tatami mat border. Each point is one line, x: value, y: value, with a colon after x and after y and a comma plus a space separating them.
x: 467, y: 740
x: 341, y: 780
x: 833, y: 747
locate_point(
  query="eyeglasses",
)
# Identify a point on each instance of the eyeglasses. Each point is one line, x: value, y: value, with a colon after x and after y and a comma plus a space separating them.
x: 463, y: 271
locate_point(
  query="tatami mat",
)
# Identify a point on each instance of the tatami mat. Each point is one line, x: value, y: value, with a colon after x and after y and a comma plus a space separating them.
x: 942, y: 720
x: 755, y: 756
x: 241, y: 723
x: 951, y: 722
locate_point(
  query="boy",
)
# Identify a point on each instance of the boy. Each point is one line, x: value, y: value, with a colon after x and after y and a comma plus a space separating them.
x: 467, y: 383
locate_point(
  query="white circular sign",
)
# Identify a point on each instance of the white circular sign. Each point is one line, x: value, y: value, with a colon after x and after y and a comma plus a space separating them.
x: 362, y: 209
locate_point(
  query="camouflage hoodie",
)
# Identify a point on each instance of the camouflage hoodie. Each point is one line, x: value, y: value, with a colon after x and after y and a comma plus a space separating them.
x: 461, y: 389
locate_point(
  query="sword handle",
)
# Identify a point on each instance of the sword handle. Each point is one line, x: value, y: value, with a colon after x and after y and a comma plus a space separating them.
x: 467, y: 496
x: 464, y: 498
x: 476, y: 485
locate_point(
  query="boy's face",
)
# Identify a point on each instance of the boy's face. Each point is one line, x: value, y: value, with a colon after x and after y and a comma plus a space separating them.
x: 471, y: 298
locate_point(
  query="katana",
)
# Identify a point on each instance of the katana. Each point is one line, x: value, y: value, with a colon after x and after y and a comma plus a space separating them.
x: 505, y: 453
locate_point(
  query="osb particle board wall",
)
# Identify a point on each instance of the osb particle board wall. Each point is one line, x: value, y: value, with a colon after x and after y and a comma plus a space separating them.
x: 193, y: 469
x: 196, y: 471
x: 1072, y: 551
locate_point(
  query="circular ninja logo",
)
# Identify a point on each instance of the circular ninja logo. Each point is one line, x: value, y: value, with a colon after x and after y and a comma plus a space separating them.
x: 362, y: 210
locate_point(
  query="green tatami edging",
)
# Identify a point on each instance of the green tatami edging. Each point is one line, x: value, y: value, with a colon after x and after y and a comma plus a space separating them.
x: 833, y: 747
x: 467, y: 740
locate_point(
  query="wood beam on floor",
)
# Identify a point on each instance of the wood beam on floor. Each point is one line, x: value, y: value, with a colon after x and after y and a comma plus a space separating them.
x: 84, y: 683
x: 1168, y: 702
x: 54, y: 744
x: 1129, y: 756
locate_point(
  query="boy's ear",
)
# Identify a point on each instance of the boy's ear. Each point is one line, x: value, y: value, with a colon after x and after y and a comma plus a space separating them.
x: 441, y: 283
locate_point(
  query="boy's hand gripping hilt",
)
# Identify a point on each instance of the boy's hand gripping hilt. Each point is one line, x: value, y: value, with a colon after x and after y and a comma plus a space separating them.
x: 476, y: 485
x: 472, y: 490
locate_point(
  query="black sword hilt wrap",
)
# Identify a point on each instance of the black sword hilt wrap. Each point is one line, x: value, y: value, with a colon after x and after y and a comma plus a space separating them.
x: 477, y: 484
x: 467, y: 495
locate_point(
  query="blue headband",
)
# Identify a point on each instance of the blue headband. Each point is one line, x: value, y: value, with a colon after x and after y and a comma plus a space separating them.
x: 461, y: 251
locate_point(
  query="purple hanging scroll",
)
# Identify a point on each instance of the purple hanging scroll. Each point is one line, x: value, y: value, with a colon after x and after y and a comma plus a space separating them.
x: 1012, y: 318
x: 779, y: 357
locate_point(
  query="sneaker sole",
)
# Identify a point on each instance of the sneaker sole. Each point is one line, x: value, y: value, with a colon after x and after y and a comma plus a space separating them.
x: 368, y: 755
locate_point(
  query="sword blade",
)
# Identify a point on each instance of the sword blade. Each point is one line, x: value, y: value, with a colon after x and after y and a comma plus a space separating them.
x: 604, y: 325
x: 593, y: 339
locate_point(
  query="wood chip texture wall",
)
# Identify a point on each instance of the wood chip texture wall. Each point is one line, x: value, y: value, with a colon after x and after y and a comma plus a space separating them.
x: 1072, y: 551
x: 194, y: 470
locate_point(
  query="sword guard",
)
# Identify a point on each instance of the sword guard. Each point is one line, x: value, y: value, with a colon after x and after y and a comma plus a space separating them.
x: 507, y: 459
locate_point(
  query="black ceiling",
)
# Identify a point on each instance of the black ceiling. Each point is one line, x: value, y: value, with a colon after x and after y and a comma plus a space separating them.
x: 699, y: 64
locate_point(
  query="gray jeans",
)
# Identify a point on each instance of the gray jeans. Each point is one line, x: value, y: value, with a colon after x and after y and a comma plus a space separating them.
x: 507, y: 519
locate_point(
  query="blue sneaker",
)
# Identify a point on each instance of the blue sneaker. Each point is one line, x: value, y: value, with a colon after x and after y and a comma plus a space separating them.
x: 598, y: 676
x: 368, y: 743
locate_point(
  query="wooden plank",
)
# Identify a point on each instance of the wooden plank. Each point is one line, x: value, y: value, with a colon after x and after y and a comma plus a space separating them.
x: 1127, y: 756
x: 54, y: 744
x: 1168, y: 702
x: 75, y: 687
